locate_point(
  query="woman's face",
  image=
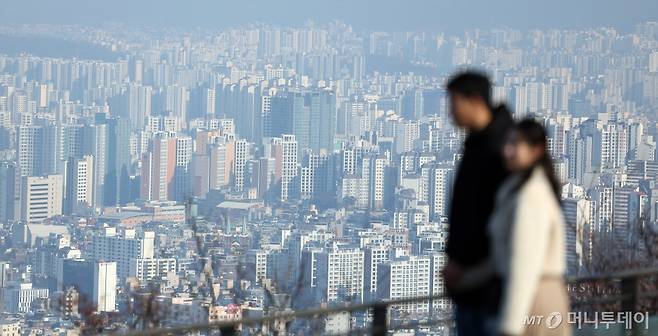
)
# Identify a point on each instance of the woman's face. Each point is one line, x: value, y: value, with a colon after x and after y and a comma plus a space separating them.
x: 519, y: 154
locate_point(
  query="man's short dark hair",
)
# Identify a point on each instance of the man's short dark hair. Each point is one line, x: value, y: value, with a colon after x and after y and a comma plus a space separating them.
x: 472, y: 85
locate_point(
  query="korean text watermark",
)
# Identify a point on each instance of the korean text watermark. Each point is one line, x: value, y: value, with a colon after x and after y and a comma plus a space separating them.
x: 596, y: 320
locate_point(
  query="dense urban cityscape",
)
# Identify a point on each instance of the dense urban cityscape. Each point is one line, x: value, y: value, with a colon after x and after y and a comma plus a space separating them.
x: 155, y: 177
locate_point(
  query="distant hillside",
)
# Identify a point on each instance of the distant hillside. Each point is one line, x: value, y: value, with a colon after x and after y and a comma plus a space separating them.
x: 53, y: 47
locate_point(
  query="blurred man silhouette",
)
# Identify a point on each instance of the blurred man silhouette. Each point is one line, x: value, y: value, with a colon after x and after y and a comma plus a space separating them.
x: 480, y: 173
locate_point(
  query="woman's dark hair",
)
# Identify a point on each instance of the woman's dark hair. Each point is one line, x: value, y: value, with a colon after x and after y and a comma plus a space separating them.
x: 534, y: 134
x: 472, y: 85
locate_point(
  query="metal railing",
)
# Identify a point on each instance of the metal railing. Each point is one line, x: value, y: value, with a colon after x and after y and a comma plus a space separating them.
x: 627, y: 298
x: 378, y: 326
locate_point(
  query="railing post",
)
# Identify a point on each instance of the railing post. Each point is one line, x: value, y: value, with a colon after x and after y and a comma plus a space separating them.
x: 379, y: 325
x: 228, y: 330
x: 629, y: 287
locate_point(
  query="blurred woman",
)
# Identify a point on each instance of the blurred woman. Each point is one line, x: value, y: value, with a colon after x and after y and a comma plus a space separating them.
x: 527, y: 234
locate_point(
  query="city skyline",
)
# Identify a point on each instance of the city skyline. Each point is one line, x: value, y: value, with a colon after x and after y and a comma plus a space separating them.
x: 227, y: 172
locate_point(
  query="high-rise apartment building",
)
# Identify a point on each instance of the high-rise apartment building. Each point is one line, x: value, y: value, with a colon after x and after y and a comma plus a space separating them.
x: 242, y: 153
x: 158, y: 166
x: 79, y: 185
x: 36, y: 149
x: 340, y: 275
x: 115, y: 158
x: 10, y: 191
x: 579, y: 216
x: 147, y: 269
x: 19, y: 297
x: 222, y: 157
x: 289, y: 169
x: 181, y: 188
x: 406, y: 277
x: 122, y: 247
x: 309, y: 115
x: 441, y: 178
x: 94, y: 280
x: 374, y: 256
x: 41, y: 197
x: 105, y: 286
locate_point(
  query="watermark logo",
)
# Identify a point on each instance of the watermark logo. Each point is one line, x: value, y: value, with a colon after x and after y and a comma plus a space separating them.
x: 553, y: 320
x: 593, y: 319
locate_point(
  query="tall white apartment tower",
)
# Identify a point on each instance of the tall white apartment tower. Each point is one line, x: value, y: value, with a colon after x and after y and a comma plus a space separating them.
x: 241, y: 158
x: 441, y: 177
x: 181, y: 174
x: 105, y: 286
x: 377, y: 179
x: 288, y: 164
x: 79, y: 185
x: 26, y: 136
x: 613, y: 146
x: 85, y: 180
x: 579, y: 215
x: 373, y: 257
x: 209, y: 97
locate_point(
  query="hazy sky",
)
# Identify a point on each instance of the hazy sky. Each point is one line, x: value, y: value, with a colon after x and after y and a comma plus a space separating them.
x: 429, y: 15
